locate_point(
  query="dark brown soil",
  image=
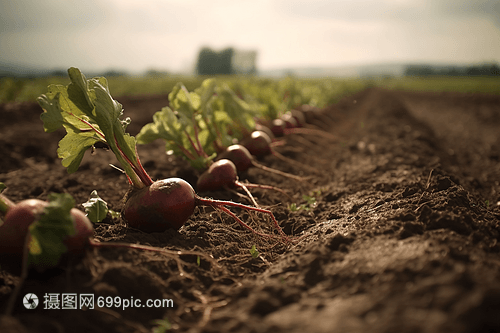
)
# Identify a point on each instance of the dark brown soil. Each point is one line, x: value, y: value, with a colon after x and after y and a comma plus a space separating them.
x: 403, y: 236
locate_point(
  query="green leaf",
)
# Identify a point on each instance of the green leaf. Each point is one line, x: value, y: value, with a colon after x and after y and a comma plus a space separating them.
x: 254, y: 252
x: 163, y: 325
x: 168, y: 126
x: 148, y: 133
x: 183, y: 101
x: 239, y: 111
x: 88, y: 112
x: 95, y: 208
x: 206, y: 91
x: 2, y: 187
x: 79, y: 93
x: 165, y: 126
x: 201, y: 163
x: 114, y: 215
x: 73, y: 146
x: 34, y: 247
x: 46, y: 245
x: 51, y: 117
x: 59, y: 110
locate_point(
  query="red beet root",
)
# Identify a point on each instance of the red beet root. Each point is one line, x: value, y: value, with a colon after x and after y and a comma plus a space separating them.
x: 167, y: 203
x: 18, y: 219
x: 243, y: 160
x: 265, y: 129
x: 290, y: 121
x: 240, y: 156
x: 298, y: 116
x: 219, y: 175
x: 278, y: 127
x: 258, y: 144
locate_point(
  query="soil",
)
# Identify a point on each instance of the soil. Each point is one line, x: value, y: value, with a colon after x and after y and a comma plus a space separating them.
x: 403, y: 234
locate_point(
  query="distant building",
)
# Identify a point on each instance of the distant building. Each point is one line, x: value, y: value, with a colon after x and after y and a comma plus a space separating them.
x: 226, y: 62
x: 244, y: 62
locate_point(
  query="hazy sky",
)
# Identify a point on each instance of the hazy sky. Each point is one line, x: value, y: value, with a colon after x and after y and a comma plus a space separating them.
x: 136, y: 35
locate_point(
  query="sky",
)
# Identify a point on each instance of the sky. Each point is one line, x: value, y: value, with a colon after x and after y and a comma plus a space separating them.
x: 138, y: 35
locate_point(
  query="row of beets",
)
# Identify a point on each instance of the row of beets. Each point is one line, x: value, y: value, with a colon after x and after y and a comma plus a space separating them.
x: 154, y: 206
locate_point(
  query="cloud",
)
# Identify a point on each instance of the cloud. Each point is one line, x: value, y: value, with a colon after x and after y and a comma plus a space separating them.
x: 51, y: 15
x: 488, y: 9
x: 467, y: 8
x: 139, y: 34
x: 154, y: 17
x: 405, y: 10
x: 351, y: 10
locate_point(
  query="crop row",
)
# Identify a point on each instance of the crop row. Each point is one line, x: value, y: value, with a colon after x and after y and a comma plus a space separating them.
x: 219, y: 127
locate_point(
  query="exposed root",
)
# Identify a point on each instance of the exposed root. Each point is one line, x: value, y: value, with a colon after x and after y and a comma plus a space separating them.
x: 169, y: 253
x: 294, y: 163
x: 278, y: 172
x: 311, y: 131
x: 268, y: 187
x: 220, y: 205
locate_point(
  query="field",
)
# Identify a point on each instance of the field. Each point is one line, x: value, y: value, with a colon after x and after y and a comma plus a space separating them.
x: 400, y: 216
x: 27, y: 90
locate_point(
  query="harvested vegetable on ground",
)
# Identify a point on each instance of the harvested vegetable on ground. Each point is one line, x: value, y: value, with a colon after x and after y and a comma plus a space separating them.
x: 86, y: 109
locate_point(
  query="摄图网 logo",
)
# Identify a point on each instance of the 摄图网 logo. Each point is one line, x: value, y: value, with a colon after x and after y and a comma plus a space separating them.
x: 30, y: 301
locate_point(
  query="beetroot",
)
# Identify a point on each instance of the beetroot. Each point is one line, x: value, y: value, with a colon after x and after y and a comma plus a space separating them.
x: 243, y: 160
x: 258, y: 144
x: 240, y: 156
x: 219, y: 175
x: 166, y: 203
x: 19, y: 218
x: 169, y: 203
x: 289, y: 120
x: 299, y: 117
x: 265, y: 129
x: 278, y: 127
x: 222, y: 174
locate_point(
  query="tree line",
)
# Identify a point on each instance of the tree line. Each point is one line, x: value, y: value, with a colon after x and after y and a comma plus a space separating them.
x: 473, y: 70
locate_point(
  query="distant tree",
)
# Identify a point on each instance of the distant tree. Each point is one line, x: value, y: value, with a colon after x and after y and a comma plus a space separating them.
x: 490, y: 69
x: 483, y: 70
x: 495, y: 69
x: 473, y: 70
x: 59, y: 72
x: 114, y: 72
x: 418, y: 70
x: 156, y: 73
x: 454, y: 71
